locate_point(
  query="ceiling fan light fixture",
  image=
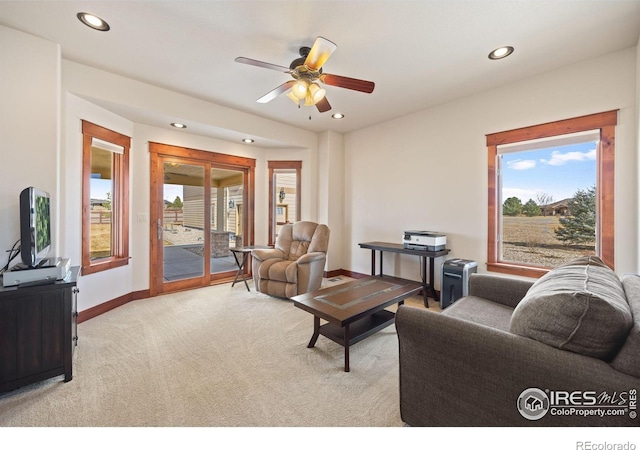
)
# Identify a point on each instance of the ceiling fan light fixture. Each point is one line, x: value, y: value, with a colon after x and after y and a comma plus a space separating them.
x: 317, y: 93
x: 299, y: 89
x: 501, y: 52
x: 308, y: 100
x: 93, y: 21
x: 293, y: 98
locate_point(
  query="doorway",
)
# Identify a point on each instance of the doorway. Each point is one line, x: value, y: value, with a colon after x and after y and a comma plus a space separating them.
x: 284, y: 195
x: 199, y: 210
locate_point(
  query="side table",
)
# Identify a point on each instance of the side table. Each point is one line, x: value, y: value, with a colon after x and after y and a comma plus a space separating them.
x: 241, y: 262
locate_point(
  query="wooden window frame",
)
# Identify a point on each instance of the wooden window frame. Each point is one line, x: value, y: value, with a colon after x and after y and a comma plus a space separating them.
x: 280, y: 165
x: 119, y: 200
x: 605, y: 122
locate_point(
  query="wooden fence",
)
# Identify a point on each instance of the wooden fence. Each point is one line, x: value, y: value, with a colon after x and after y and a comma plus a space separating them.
x: 101, y: 217
x: 175, y: 216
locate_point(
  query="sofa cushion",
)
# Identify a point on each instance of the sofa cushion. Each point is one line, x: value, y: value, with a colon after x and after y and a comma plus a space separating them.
x: 481, y: 311
x: 579, y: 306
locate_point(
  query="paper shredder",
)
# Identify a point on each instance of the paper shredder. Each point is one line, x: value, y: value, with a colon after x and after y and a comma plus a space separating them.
x: 455, y: 280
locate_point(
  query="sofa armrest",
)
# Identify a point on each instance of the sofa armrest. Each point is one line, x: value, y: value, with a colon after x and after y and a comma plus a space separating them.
x: 264, y: 254
x: 458, y: 373
x: 507, y: 291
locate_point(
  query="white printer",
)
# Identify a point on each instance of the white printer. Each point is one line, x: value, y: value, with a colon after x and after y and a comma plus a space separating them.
x: 430, y: 241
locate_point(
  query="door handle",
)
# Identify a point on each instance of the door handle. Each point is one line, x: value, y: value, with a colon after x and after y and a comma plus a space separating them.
x: 159, y: 229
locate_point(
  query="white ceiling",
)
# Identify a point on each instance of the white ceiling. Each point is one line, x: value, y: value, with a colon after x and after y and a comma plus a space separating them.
x: 419, y: 53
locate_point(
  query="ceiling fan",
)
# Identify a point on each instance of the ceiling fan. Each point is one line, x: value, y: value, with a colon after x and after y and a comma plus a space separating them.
x: 307, y: 72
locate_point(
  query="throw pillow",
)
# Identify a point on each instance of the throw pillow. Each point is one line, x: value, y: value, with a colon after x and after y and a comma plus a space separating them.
x: 579, y: 306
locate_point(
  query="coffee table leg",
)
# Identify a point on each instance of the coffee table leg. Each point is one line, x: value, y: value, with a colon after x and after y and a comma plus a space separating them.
x: 346, y: 348
x: 316, y: 332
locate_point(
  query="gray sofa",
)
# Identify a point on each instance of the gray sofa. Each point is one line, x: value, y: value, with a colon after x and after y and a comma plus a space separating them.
x: 493, y: 358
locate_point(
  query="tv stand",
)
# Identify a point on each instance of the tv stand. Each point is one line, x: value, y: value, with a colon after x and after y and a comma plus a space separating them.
x: 38, y: 332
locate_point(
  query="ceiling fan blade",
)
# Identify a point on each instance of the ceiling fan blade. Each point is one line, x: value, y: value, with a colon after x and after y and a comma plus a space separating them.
x: 254, y: 62
x: 277, y: 91
x: 323, y: 105
x: 348, y: 83
x: 319, y: 53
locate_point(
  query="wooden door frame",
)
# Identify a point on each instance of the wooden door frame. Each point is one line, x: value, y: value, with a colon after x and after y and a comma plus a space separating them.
x: 159, y: 153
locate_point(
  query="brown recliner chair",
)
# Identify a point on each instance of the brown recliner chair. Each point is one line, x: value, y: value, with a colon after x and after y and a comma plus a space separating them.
x: 296, y: 264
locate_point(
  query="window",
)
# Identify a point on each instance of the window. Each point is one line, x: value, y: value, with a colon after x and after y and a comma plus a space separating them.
x: 551, y: 194
x: 284, y: 195
x: 105, y: 198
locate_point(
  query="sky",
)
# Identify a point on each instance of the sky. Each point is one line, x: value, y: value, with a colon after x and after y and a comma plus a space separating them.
x: 171, y: 191
x: 555, y: 171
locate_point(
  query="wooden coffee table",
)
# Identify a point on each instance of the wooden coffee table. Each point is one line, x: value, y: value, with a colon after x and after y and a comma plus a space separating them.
x: 356, y: 309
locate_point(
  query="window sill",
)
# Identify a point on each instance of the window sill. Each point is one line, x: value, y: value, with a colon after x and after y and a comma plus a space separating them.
x: 103, y: 265
x: 515, y: 269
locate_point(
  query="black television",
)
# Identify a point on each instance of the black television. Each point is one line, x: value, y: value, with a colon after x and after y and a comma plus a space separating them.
x: 35, y: 227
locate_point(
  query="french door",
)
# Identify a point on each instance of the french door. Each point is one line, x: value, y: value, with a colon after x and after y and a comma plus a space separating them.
x: 201, y: 205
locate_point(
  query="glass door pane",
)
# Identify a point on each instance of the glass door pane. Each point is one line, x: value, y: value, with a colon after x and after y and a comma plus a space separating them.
x: 227, y: 193
x: 101, y: 187
x: 286, y: 197
x: 183, y: 221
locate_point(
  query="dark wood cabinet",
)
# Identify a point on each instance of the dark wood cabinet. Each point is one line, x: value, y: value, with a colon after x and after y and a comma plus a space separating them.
x: 37, y: 332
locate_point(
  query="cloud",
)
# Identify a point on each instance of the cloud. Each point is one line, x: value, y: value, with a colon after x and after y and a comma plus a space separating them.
x: 523, y: 194
x: 560, y: 159
x: 521, y: 164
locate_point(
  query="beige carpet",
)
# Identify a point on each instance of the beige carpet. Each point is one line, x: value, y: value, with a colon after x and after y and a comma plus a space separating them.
x: 214, y: 357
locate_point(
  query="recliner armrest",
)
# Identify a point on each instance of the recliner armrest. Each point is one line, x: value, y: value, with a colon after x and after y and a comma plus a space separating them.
x: 264, y: 254
x: 311, y: 257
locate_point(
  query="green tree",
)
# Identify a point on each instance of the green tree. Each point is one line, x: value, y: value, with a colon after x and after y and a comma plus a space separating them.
x: 177, y: 203
x: 580, y: 226
x: 531, y: 209
x: 512, y: 207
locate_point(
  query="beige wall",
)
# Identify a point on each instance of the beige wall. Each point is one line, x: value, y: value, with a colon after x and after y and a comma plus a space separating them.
x: 29, y: 129
x: 428, y: 170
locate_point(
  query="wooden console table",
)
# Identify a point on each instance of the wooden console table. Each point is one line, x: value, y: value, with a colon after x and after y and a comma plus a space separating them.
x: 427, y: 282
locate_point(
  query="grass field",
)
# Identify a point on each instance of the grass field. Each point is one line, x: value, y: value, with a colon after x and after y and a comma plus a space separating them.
x: 532, y: 240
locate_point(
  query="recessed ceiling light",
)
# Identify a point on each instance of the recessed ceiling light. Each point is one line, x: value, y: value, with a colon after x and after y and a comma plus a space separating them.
x: 248, y: 141
x: 338, y: 116
x: 178, y: 125
x: 501, y: 52
x: 93, y: 21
